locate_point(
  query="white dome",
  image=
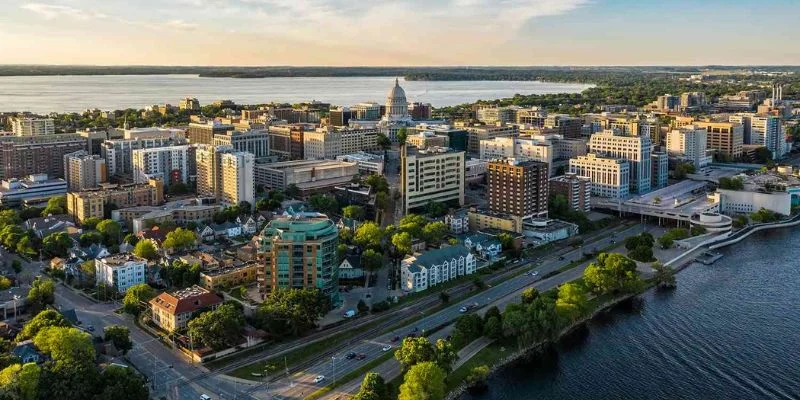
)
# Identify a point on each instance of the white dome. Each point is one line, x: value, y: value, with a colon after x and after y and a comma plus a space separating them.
x: 396, y: 93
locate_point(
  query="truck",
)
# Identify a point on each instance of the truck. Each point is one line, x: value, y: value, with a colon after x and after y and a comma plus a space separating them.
x: 349, y: 314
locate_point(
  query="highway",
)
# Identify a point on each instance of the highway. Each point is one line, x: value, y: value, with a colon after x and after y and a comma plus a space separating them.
x: 301, y: 384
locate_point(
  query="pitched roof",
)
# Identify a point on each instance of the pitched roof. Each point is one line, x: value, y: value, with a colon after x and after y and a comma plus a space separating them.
x: 439, y: 255
x: 186, y: 300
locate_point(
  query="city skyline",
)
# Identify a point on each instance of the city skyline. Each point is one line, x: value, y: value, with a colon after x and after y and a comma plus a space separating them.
x: 412, y: 33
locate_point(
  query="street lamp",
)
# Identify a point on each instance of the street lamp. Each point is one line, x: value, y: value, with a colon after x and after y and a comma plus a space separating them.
x: 333, y: 361
x: 16, y: 297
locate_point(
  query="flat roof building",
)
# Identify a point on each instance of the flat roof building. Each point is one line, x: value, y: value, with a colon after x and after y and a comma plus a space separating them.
x: 434, y: 174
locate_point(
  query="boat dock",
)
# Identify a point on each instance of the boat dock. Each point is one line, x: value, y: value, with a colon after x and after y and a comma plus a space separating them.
x: 708, y: 257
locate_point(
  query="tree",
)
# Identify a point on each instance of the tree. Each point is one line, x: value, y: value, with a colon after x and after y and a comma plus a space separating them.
x: 665, y: 276
x: 371, y: 261
x: 56, y: 205
x: 291, y: 311
x: 383, y: 141
x: 42, y: 294
x: 16, y: 265
x: 65, y: 345
x: 135, y: 296
x: 90, y: 238
x: 56, y: 244
x: 477, y: 377
x: 665, y: 242
x: 683, y: 169
x: 413, y: 225
x: 25, y: 246
x: 444, y: 297
x: 20, y: 381
x: 292, y: 191
x: 402, y: 242
x: 368, y: 235
x: 571, y: 302
x: 436, y: 209
x: 642, y: 253
x: 446, y: 355
x: 731, y: 183
x: 372, y: 388
x: 434, y: 232
x: 177, y: 189
x: 181, y: 274
x: 493, y: 328
x: 180, y: 239
x: 529, y: 295
x: 353, y: 212
x: 323, y: 203
x: 42, y: 320
x: 146, y: 249
x: 423, y: 381
x: 378, y: 183
x: 5, y: 283
x: 362, y: 307
x: 30, y: 212
x: 415, y: 350
x: 90, y: 223
x: 218, y: 329
x: 120, y: 383
x: 120, y: 336
x: 131, y: 239
x: 506, y: 240
x: 611, y: 273
x: 110, y: 230
x: 467, y: 328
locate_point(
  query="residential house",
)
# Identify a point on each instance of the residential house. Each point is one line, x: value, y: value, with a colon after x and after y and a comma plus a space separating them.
x: 172, y: 311
x: 231, y: 275
x: 227, y: 230
x: 422, y: 271
x: 350, y: 267
x: 27, y: 352
x: 157, y: 234
x: 51, y: 224
x: 486, y: 246
x: 249, y: 226
x: 458, y: 222
x: 418, y: 245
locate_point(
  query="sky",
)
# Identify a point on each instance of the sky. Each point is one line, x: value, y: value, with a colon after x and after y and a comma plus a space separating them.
x: 400, y: 32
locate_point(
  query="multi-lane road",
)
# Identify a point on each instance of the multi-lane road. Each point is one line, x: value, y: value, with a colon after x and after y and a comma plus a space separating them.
x: 303, y: 383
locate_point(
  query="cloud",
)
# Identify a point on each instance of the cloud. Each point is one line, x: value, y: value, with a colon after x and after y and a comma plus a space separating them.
x: 53, y: 11
x: 181, y: 24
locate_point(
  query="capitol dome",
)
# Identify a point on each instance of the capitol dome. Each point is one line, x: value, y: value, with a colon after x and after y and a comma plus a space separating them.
x: 396, y: 103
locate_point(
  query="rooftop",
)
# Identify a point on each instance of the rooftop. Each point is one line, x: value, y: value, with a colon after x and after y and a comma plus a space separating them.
x: 439, y: 255
x: 121, y: 259
x: 186, y: 300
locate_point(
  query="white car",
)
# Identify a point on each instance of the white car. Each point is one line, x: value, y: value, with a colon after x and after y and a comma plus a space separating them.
x: 387, y: 347
x: 534, y: 273
x: 319, y: 378
x: 462, y: 310
x: 205, y: 397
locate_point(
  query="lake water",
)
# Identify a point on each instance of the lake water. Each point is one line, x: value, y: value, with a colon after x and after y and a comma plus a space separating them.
x: 729, y: 331
x: 43, y: 94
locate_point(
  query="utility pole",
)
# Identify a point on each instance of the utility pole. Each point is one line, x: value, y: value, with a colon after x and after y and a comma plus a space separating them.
x: 333, y: 361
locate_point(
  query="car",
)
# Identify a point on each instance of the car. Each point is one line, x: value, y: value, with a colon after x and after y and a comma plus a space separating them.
x: 368, y: 295
x: 416, y: 329
x: 205, y: 397
x: 90, y: 328
x: 462, y: 310
x: 386, y: 348
x: 560, y: 258
x: 319, y: 378
x: 411, y: 335
x: 396, y: 338
x: 612, y: 241
x: 361, y: 356
x: 350, y: 356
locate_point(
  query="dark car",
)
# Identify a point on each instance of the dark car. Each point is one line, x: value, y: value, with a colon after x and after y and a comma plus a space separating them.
x: 396, y: 338
x: 560, y: 257
x: 411, y: 335
x: 350, y: 356
x: 361, y: 356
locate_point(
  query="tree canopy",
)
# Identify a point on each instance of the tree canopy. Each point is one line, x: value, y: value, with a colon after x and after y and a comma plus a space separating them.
x: 180, y: 239
x: 611, y: 273
x: 42, y: 294
x: 146, y: 249
x: 292, y: 311
x: 373, y: 387
x: 120, y: 336
x: 56, y: 244
x: 218, y: 329
x: 423, y: 381
x: 42, y: 320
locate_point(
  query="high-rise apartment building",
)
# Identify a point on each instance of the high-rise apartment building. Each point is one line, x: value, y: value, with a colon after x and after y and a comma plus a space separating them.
x: 254, y: 141
x: 660, y: 170
x: 518, y: 148
x: 762, y: 130
x: 576, y: 189
x: 419, y: 111
x: 22, y: 126
x: 340, y: 116
x: 299, y: 251
x: 238, y: 184
x: 434, y: 174
x: 170, y: 164
x: 83, y: 171
x: 287, y: 141
x: 203, y: 133
x: 689, y: 143
x: 692, y: 100
x: 610, y: 177
x: 635, y: 149
x: 225, y: 174
x: 496, y: 115
x: 724, y: 137
x: 40, y: 154
x: 119, y: 153
x: 518, y: 187
x: 366, y: 111
x: 154, y: 133
x: 565, y: 125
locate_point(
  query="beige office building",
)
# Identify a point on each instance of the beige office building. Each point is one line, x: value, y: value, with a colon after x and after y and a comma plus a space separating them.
x: 724, y: 137
x: 327, y: 143
x: 610, y: 176
x: 433, y: 174
x: 83, y: 171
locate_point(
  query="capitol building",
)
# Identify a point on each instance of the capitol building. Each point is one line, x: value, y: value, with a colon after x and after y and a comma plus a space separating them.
x: 396, y: 116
